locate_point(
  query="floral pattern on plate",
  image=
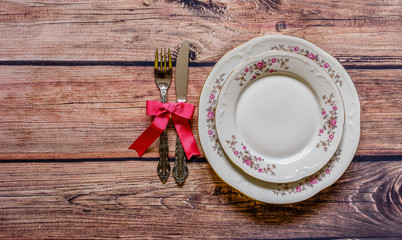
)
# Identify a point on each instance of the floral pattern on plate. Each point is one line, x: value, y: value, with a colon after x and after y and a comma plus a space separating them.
x: 212, y: 101
x: 315, y: 57
x: 327, y: 132
x: 261, y: 67
x: 308, y: 182
x: 249, y: 159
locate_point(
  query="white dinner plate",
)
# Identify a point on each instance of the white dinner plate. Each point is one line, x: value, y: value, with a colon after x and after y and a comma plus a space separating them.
x: 279, y: 116
x: 237, y: 178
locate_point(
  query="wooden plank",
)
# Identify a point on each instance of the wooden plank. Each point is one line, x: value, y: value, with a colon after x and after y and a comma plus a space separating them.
x: 366, y: 33
x: 98, y: 111
x: 107, y: 199
x: 53, y: 111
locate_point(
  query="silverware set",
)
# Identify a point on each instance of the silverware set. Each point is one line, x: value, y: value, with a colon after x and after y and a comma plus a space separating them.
x: 163, y: 78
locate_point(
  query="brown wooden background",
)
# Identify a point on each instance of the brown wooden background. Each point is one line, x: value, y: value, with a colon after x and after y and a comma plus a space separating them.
x: 74, y: 78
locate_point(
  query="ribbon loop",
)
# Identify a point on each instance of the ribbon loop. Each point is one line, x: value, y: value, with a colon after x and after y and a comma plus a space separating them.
x: 181, y: 113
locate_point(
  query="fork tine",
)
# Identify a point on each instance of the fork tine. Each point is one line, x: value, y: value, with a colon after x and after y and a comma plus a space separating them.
x: 164, y: 59
x: 156, y: 60
x: 161, y: 61
x: 170, y: 60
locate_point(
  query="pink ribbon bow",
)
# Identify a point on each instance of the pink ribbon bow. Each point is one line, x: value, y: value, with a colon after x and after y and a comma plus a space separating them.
x: 181, y: 112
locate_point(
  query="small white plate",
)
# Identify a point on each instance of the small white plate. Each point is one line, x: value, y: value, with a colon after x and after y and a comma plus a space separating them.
x: 279, y: 117
x: 266, y: 191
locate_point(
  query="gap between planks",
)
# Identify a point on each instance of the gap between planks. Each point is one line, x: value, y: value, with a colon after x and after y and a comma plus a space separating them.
x: 150, y: 64
x: 357, y: 158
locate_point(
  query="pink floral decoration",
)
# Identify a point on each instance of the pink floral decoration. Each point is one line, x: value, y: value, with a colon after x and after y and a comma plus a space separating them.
x: 331, y: 136
x: 246, y: 69
x: 311, y: 55
x: 323, y: 112
x: 210, y: 132
x: 210, y: 114
x: 244, y: 147
x: 211, y: 96
x: 321, y: 130
x: 260, y: 64
x: 260, y: 170
x: 248, y: 162
x: 326, y: 65
x: 273, y: 60
x: 298, y: 189
x: 333, y: 122
x: 236, y: 153
x: 313, y: 181
x: 271, y: 70
x: 296, y: 49
x: 335, y: 108
x: 259, y: 159
x: 327, y: 171
x: 254, y: 77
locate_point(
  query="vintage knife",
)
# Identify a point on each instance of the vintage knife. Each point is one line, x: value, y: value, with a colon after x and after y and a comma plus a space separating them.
x: 180, y: 170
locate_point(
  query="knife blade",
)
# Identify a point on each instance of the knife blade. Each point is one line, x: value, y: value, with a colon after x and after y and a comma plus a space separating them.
x: 180, y: 170
x: 182, y: 71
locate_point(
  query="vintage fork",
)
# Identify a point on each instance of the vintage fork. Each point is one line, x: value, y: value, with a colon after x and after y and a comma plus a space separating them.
x: 163, y: 77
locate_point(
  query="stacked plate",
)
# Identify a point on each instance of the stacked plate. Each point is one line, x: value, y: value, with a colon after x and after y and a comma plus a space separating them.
x: 279, y: 119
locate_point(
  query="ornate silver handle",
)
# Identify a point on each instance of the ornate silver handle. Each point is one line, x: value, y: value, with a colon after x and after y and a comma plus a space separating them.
x: 163, y: 168
x: 180, y: 170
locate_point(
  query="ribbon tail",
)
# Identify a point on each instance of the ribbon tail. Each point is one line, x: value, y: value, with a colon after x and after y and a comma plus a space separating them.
x: 141, y: 144
x: 186, y: 136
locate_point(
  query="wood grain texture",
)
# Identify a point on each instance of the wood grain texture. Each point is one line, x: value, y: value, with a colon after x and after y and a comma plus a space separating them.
x: 98, y: 111
x: 362, y: 32
x: 127, y: 200
x: 74, y: 78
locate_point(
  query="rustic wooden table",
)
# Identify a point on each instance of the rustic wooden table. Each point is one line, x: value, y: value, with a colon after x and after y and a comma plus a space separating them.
x: 74, y: 78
